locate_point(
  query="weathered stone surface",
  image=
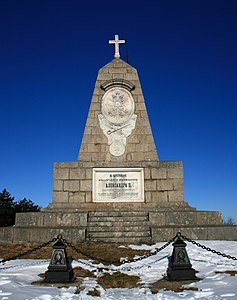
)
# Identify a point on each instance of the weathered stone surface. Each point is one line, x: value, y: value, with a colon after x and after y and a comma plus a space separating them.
x: 94, y: 137
x: 77, y: 173
x: 61, y: 173
x: 150, y: 185
x: 71, y: 185
x: 165, y: 185
x: 157, y: 218
x: 175, y: 196
x: 51, y: 219
x: 58, y: 185
x: 77, y: 197
x: 159, y: 197
x: 158, y: 173
x: 60, y: 197
x: 162, y: 214
x: 86, y: 185
x: 175, y: 173
x: 6, y: 234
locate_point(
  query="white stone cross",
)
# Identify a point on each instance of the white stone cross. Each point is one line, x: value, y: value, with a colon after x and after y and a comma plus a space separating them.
x: 116, y: 41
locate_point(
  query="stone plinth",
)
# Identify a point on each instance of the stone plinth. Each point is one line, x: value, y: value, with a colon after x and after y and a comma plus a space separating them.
x: 118, y: 136
x: 163, y: 182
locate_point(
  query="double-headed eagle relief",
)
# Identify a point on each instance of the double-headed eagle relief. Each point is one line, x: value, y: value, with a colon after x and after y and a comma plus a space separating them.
x: 117, y: 119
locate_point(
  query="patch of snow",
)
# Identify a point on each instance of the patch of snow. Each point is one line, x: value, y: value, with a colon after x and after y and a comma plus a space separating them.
x: 16, y: 277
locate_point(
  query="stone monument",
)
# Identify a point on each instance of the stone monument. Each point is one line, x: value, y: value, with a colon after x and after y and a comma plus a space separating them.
x: 118, y: 189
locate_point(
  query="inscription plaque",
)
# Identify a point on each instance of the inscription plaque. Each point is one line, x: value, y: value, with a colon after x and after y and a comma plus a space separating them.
x: 118, y: 185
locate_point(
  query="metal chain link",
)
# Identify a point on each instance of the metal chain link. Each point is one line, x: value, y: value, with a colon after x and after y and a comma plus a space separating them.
x: 30, y: 264
x: 206, y: 248
x: 116, y: 261
x: 29, y: 251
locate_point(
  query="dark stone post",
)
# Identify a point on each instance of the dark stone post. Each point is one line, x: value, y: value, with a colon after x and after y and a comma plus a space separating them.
x: 59, y: 269
x: 179, y: 267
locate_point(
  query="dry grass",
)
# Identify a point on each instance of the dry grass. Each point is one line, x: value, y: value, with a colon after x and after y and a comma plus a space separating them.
x: 117, y: 279
x: 107, y: 251
x: 230, y: 272
x: 176, y: 286
x: 80, y: 272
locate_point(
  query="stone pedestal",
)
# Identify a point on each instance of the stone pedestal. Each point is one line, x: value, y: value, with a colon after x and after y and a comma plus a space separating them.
x: 118, y: 205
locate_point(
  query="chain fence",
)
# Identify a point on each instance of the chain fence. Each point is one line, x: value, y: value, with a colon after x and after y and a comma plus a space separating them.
x: 29, y: 251
x: 117, y: 265
x: 205, y: 247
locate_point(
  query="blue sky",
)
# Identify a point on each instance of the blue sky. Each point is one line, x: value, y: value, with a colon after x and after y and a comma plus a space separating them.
x: 186, y: 56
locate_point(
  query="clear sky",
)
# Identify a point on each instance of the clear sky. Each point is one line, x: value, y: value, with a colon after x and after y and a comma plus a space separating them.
x: 186, y: 56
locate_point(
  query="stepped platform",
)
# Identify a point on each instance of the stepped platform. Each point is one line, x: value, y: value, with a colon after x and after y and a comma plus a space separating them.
x: 118, y: 225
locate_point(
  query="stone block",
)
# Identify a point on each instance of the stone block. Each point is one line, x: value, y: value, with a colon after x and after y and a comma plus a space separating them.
x: 161, y: 234
x: 150, y: 185
x: 94, y: 148
x: 226, y: 233
x: 164, y: 185
x: 50, y: 219
x: 209, y: 218
x: 71, y: 185
x: 21, y: 234
x: 133, y: 138
x: 186, y: 218
x: 147, y: 173
x: 78, y: 173
x: 88, y: 197
x: 79, y: 197
x: 158, y: 173
x: 138, y: 156
x: 64, y: 219
x: 29, y: 219
x: 175, y: 173
x: 178, y: 184
x: 141, y: 147
x: 61, y: 173
x: 66, y: 165
x: 58, y: 185
x: 80, y: 219
x: 157, y: 218
x: 86, y: 185
x: 159, y: 197
x: 60, y: 196
x: 88, y: 173
x: 175, y: 196
x: 6, y: 234
x: 85, y: 156
x: 148, y: 197
x: 194, y: 233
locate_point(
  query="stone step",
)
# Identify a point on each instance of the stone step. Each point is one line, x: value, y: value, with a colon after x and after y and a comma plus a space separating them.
x: 118, y: 219
x: 118, y: 234
x: 118, y: 228
x: 117, y: 213
x: 116, y: 224
x: 132, y: 240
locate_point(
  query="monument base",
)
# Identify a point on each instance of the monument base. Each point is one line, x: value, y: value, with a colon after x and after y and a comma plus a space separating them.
x: 106, y: 223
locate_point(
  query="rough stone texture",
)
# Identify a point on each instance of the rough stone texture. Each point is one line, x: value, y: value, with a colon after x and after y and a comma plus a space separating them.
x: 162, y: 184
x: 220, y: 232
x: 54, y: 219
x: 140, y: 144
x: 72, y: 211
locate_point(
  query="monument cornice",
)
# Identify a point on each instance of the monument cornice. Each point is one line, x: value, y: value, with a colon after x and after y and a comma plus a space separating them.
x: 117, y: 82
